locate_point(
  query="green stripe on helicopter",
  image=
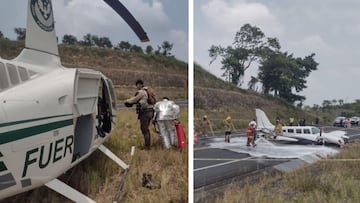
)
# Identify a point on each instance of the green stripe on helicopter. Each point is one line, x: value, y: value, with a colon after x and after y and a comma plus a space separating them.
x: 19, y: 134
x: 31, y: 120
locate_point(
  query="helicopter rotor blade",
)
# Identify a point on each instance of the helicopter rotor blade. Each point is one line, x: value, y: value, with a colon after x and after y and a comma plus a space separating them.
x: 129, y: 19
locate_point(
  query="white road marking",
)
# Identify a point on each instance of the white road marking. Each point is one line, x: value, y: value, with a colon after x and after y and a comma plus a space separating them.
x: 221, y: 164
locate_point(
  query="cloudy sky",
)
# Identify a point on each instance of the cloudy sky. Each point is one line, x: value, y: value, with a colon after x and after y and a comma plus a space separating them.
x: 328, y: 28
x: 161, y: 19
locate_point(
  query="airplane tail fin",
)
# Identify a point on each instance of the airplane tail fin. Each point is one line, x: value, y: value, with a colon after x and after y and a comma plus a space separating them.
x: 40, y: 27
x: 40, y: 40
x: 262, y: 120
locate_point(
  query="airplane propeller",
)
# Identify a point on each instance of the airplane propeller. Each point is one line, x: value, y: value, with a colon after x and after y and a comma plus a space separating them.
x: 129, y: 19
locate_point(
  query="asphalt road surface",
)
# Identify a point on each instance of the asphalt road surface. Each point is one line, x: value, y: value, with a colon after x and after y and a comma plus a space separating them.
x: 216, y: 162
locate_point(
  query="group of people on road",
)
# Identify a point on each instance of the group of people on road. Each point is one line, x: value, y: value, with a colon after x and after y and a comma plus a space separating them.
x: 229, y: 127
x: 164, y: 114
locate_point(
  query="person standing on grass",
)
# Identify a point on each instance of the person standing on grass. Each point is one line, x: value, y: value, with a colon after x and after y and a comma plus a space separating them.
x: 166, y: 115
x: 205, y: 125
x: 144, y: 110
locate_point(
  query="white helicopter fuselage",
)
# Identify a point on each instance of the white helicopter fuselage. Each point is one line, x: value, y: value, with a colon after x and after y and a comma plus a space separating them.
x: 47, y: 122
x: 51, y: 117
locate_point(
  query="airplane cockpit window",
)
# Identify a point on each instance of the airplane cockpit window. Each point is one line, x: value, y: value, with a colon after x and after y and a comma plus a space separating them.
x: 14, y: 77
x: 315, y: 130
x: 4, y: 81
x: 290, y: 130
x: 298, y: 131
x: 32, y: 73
x: 307, y: 131
x: 23, y: 73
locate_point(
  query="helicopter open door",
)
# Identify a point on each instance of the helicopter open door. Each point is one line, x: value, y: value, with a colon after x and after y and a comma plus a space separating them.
x: 106, y: 104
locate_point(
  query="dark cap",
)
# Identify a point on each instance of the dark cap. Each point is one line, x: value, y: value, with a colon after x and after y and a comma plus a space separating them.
x: 139, y: 82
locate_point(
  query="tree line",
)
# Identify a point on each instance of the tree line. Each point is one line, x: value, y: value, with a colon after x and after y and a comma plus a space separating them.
x: 104, y: 42
x: 281, y: 74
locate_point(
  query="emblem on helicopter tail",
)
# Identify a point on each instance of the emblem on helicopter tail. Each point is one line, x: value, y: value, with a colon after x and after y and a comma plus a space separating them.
x: 41, y: 10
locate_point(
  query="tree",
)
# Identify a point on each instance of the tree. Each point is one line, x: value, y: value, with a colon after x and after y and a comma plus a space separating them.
x: 95, y: 40
x: 248, y: 46
x: 125, y: 46
x: 166, y: 48
x: 136, y: 49
x: 87, y: 40
x: 21, y: 33
x: 326, y: 104
x: 252, y: 83
x: 105, y: 42
x: 282, y: 74
x: 341, y: 102
x: 149, y: 49
x: 1, y: 35
x: 101, y: 41
x: 69, y: 39
x: 157, y: 52
x: 334, y: 102
x: 316, y: 107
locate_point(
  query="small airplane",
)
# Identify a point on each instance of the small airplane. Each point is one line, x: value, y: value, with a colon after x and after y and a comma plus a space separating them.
x: 299, y: 134
x: 52, y: 117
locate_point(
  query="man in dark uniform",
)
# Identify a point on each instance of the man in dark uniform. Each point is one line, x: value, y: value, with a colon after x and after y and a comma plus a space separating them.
x: 144, y: 110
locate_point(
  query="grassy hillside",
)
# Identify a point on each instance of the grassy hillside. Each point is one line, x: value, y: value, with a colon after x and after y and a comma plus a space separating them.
x: 97, y: 176
x: 123, y: 68
x: 217, y: 99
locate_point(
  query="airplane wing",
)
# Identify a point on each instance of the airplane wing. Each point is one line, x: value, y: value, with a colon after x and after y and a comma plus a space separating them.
x: 287, y: 139
x: 129, y: 19
x: 68, y: 191
x: 339, y: 133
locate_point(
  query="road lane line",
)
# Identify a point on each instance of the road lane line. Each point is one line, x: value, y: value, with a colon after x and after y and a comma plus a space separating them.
x: 221, y: 164
x: 229, y: 159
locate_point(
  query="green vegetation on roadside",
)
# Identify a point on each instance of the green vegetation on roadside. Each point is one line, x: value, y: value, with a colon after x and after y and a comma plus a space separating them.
x: 335, y: 179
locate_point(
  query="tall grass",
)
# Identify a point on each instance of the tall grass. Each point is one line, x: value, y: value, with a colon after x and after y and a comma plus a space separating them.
x: 336, y: 179
x: 99, y: 177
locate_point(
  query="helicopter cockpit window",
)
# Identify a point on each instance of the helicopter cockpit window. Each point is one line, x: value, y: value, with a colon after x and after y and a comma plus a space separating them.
x: 4, y: 81
x: 14, y: 77
x: 23, y: 73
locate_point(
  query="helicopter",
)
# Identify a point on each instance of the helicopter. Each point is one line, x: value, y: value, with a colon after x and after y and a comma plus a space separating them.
x: 52, y: 117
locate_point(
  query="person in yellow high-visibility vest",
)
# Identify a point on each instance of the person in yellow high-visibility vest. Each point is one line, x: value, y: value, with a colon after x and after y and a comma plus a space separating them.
x: 278, y: 128
x: 229, y: 126
x: 291, y: 121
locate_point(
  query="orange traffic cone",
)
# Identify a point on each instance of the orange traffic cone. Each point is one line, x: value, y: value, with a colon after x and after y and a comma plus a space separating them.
x: 195, y: 138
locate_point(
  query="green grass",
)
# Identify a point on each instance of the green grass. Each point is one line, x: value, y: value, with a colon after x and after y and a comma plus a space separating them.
x: 99, y: 177
x: 335, y: 179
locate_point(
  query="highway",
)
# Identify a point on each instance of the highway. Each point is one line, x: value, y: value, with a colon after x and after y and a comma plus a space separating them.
x: 218, y: 164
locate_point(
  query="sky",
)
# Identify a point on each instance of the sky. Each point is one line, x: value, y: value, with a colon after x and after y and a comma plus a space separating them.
x: 328, y: 28
x: 162, y: 20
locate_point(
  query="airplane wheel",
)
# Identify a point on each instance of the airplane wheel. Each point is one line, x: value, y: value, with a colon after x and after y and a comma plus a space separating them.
x: 321, y: 141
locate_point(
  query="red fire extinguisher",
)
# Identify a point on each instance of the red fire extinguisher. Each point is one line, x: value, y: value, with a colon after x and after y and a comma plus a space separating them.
x: 180, y: 135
